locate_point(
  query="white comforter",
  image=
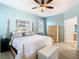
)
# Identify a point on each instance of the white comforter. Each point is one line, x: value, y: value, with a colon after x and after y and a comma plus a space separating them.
x: 31, y: 44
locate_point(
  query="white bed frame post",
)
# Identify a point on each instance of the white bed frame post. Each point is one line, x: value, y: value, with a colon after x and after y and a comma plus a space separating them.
x: 25, y: 57
x: 23, y: 54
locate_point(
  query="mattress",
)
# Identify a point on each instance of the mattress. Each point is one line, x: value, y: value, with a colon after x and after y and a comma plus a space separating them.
x: 31, y: 44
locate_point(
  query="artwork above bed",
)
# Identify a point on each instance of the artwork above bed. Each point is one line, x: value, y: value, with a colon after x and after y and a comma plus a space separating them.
x: 23, y: 26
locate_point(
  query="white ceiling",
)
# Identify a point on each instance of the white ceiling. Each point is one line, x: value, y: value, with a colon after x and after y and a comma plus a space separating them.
x: 60, y: 6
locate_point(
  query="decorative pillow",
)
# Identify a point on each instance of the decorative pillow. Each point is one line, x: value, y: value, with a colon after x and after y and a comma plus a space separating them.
x: 23, y: 34
x: 40, y: 33
x: 28, y: 33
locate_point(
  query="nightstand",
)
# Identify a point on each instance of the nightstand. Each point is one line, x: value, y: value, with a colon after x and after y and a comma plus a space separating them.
x: 48, y: 52
x: 4, y: 44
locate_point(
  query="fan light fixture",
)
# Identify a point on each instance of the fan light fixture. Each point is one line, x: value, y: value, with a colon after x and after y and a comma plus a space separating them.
x: 43, y: 4
x: 42, y: 8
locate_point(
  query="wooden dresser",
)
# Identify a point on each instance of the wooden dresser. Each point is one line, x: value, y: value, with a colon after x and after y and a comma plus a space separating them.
x: 75, y: 36
x: 53, y: 31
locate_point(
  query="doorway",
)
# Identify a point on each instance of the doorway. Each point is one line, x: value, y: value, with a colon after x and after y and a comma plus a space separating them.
x: 71, y: 31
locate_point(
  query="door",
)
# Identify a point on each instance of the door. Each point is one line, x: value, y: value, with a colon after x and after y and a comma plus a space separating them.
x: 70, y: 29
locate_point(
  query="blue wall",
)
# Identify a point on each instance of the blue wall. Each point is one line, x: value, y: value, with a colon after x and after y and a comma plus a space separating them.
x: 13, y: 14
x: 56, y: 20
x: 72, y: 13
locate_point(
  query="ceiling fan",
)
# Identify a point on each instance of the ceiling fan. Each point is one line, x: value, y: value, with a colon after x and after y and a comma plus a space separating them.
x: 43, y: 4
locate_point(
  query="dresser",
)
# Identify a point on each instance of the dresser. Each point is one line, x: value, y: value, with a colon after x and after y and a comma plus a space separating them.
x: 54, y: 33
x: 75, y: 36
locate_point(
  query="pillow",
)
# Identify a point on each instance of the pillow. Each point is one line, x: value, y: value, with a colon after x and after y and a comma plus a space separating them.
x: 16, y: 35
x: 23, y: 34
x: 40, y: 33
x: 28, y: 33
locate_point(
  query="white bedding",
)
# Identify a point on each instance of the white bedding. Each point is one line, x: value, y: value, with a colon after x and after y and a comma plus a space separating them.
x: 31, y: 44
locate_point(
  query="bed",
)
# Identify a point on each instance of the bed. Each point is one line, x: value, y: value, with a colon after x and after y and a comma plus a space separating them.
x: 26, y: 42
x: 31, y: 44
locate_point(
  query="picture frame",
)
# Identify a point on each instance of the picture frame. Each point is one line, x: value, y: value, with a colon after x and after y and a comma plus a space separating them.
x: 24, y: 26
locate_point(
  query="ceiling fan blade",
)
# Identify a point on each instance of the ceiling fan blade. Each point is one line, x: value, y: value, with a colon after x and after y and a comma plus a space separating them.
x: 34, y: 7
x: 42, y: 1
x: 50, y: 7
x: 49, y: 1
x: 37, y: 1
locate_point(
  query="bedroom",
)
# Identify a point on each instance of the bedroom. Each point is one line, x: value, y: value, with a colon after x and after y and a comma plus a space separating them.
x: 12, y: 11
